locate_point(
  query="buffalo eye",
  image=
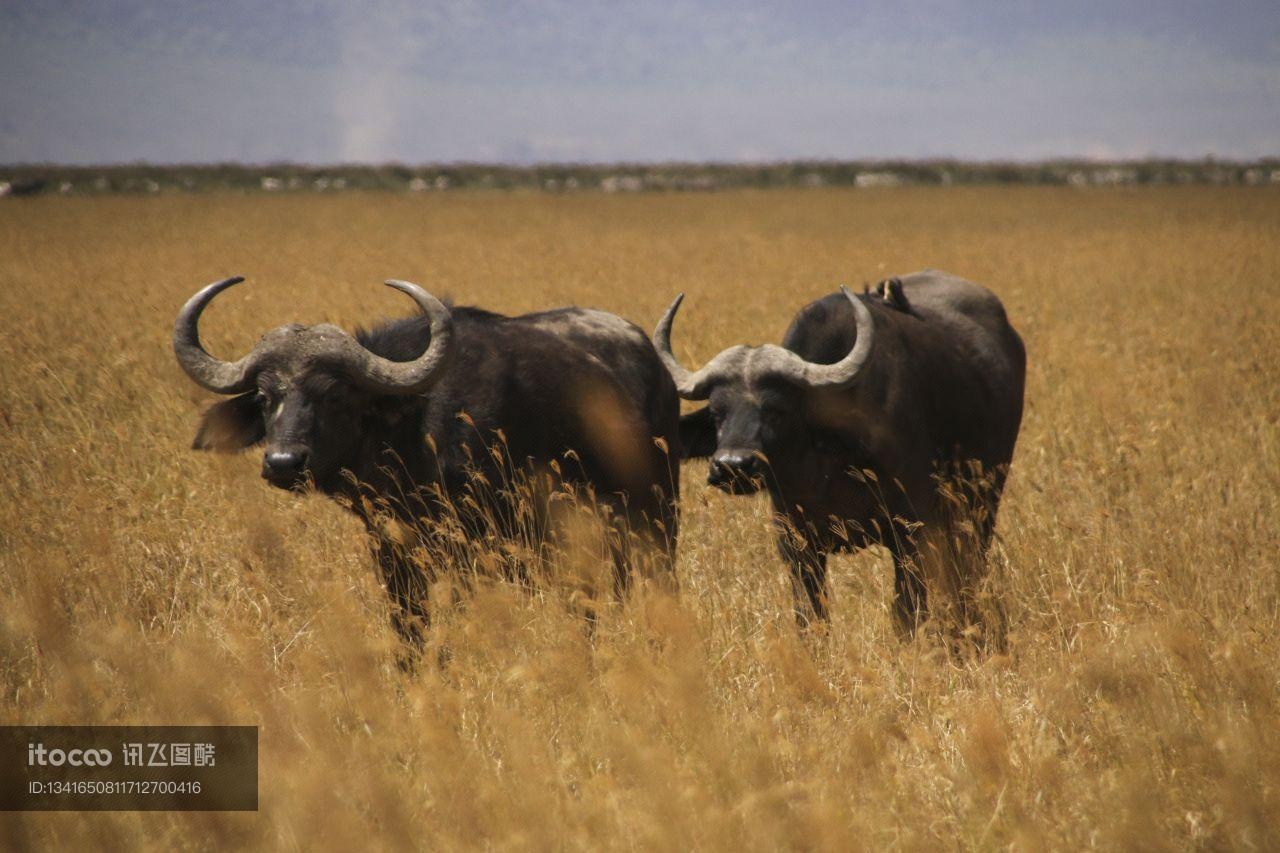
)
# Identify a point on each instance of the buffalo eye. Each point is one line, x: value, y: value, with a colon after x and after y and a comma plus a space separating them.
x: 267, y: 391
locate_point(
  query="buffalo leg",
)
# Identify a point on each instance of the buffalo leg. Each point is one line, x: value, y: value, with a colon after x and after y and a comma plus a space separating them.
x: 910, y: 599
x: 621, y: 549
x: 660, y: 526
x: 808, y: 565
x: 979, y: 611
x: 645, y: 545
x: 407, y: 589
x: 982, y: 605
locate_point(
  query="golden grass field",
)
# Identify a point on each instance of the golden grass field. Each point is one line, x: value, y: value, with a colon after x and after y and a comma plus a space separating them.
x: 1138, y: 705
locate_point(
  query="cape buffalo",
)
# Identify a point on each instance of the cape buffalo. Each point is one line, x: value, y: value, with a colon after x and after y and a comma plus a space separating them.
x: 885, y: 418
x: 437, y: 414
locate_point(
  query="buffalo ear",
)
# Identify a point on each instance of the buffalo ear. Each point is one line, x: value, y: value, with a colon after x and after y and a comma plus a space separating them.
x: 231, y: 425
x: 698, y: 434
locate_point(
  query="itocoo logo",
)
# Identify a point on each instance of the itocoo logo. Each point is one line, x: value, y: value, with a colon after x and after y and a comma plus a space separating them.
x: 38, y: 755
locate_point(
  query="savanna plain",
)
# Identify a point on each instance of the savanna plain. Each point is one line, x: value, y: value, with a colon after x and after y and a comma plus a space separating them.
x: 1137, y: 704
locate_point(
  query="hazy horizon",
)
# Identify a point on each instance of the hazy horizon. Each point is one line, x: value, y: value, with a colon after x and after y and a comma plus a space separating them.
x: 624, y: 164
x: 548, y: 82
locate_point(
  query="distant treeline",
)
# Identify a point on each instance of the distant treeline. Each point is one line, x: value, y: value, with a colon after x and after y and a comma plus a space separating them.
x: 674, y: 177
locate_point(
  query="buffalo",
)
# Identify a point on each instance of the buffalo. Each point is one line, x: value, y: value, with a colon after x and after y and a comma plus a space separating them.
x: 440, y: 414
x: 887, y: 417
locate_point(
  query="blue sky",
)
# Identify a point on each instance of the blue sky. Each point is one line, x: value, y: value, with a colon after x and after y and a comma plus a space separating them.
x: 548, y: 80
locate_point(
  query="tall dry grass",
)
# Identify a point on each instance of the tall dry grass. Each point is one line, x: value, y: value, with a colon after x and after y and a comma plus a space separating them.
x: 1138, y: 705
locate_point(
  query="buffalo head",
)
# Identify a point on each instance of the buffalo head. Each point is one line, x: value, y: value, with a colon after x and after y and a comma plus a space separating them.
x: 755, y: 422
x: 304, y: 390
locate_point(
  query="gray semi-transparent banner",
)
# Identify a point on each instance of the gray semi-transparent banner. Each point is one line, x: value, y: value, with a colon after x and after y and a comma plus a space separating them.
x: 128, y: 768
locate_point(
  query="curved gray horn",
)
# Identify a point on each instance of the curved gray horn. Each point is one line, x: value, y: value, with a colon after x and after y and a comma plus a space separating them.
x: 768, y: 359
x: 384, y: 376
x: 686, y: 382
x: 692, y: 386
x: 221, y: 377
x: 784, y: 363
